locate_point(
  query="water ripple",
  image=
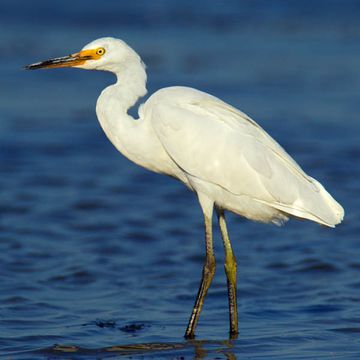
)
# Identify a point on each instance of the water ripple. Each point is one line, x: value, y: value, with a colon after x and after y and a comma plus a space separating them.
x: 106, y: 257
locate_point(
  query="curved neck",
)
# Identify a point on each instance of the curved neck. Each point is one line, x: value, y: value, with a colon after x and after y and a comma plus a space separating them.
x: 131, y: 83
x: 115, y: 101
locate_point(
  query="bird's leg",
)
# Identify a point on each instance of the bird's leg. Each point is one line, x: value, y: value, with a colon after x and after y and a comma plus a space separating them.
x: 230, y: 270
x: 207, y: 276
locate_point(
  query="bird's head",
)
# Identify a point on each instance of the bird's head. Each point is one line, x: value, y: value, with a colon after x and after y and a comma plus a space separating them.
x: 107, y: 54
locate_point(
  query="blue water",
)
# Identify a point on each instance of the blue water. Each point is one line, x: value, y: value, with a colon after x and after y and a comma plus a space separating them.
x: 97, y: 254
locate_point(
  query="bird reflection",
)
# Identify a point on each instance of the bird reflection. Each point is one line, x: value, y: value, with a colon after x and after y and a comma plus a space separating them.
x: 201, y: 349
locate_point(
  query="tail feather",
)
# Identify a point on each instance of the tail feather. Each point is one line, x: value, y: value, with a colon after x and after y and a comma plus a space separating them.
x: 318, y: 206
x: 330, y: 210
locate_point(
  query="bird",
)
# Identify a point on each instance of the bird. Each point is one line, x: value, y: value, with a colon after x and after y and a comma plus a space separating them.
x: 216, y: 150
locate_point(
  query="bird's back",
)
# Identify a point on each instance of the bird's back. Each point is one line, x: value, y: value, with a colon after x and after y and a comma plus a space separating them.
x: 229, y: 156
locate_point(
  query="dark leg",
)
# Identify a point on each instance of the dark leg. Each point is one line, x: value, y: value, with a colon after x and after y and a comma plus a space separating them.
x: 230, y: 270
x: 207, y: 276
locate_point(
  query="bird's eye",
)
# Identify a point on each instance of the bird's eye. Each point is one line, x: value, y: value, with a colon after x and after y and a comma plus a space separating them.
x: 100, y: 51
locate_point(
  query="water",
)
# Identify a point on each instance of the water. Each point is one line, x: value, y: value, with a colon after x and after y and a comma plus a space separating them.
x: 97, y: 254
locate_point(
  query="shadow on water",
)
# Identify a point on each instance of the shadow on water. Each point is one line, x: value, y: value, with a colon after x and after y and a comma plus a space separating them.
x: 195, y: 349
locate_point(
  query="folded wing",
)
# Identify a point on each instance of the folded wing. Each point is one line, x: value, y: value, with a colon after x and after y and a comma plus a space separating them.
x: 217, y: 143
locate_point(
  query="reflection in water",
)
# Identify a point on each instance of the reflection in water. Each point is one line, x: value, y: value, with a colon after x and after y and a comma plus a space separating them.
x: 222, y: 347
x: 200, y: 349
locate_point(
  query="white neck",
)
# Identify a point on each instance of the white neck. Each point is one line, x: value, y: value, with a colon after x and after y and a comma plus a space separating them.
x: 113, y: 104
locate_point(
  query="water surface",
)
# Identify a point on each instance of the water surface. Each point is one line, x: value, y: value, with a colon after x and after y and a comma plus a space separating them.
x: 100, y: 258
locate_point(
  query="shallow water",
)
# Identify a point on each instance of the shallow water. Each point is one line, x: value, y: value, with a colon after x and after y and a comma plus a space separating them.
x: 97, y: 254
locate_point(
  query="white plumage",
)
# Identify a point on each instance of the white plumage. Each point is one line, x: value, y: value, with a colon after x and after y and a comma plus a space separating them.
x: 228, y: 157
x: 214, y: 149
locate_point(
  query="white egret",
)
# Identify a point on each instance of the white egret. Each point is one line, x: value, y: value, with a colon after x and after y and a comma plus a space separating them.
x: 217, y: 151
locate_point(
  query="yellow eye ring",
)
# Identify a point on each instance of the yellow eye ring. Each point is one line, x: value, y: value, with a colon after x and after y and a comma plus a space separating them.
x: 100, y: 51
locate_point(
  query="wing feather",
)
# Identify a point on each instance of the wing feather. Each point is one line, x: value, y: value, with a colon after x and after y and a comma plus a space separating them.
x: 215, y: 142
